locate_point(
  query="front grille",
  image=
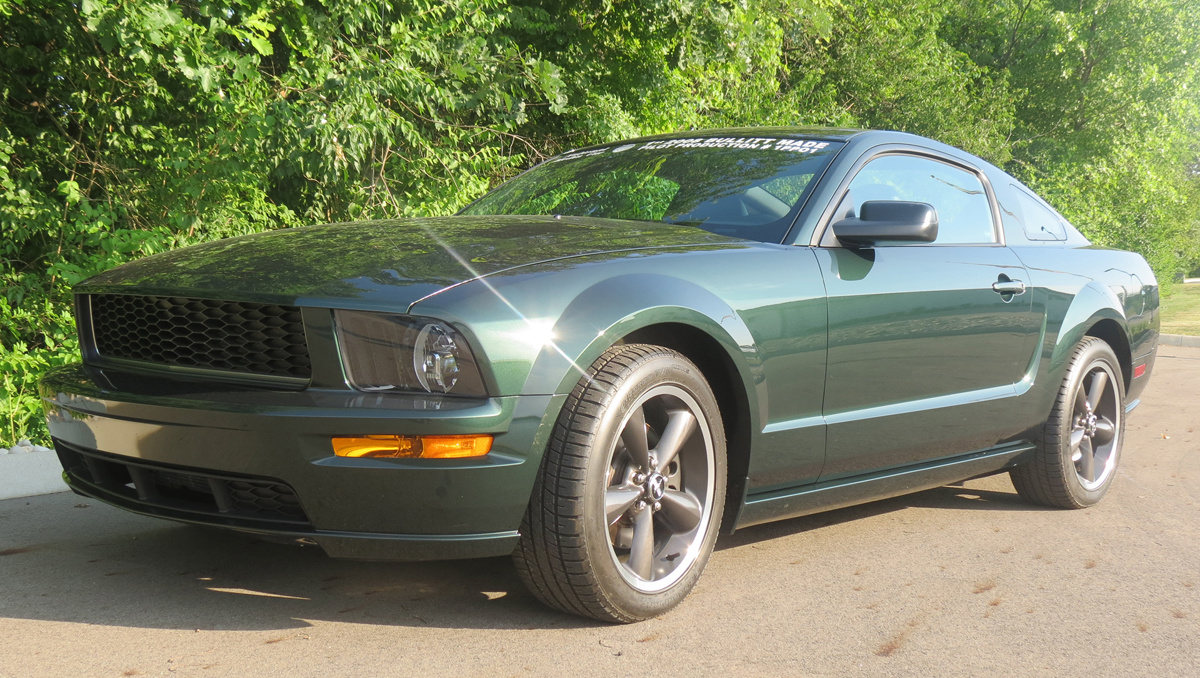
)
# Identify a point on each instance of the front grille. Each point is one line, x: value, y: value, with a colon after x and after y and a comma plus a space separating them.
x: 264, y: 497
x: 230, y: 336
x: 184, y: 493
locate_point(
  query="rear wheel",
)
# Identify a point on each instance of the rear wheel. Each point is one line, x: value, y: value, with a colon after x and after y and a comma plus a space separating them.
x: 1080, y: 444
x: 626, y: 508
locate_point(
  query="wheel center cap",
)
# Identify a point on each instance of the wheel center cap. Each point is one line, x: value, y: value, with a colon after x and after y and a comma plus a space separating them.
x: 1089, y: 425
x: 656, y: 487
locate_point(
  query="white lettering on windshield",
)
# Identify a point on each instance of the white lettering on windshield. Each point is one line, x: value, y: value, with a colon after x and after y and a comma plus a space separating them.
x: 748, y: 143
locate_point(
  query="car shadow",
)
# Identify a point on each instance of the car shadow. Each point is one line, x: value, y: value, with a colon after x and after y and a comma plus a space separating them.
x: 64, y: 558
x: 955, y: 497
x: 100, y: 565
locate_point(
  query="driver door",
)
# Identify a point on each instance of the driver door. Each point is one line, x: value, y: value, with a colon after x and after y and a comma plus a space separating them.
x: 924, y: 354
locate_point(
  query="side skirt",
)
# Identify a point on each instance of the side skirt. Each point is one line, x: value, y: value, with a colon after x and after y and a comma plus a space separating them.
x: 802, y: 501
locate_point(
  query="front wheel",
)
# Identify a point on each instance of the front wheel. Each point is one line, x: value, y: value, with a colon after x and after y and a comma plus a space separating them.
x: 626, y: 508
x: 1080, y: 443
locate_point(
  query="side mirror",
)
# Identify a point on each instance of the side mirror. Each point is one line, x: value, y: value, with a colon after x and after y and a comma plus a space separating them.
x: 889, y: 220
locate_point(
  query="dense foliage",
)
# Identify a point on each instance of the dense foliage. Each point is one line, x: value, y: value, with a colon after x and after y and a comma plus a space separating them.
x: 131, y: 127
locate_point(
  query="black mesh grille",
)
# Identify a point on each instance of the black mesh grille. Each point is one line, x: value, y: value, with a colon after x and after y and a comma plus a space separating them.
x: 243, y: 337
x: 265, y: 497
x: 193, y: 493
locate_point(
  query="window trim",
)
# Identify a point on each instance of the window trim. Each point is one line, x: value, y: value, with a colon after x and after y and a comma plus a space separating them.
x: 823, y: 235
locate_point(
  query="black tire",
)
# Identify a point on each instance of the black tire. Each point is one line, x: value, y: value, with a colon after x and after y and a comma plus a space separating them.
x: 572, y: 555
x: 1079, y: 446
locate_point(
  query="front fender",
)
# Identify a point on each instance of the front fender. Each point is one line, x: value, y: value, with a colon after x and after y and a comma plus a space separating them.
x: 613, y: 308
x: 536, y: 330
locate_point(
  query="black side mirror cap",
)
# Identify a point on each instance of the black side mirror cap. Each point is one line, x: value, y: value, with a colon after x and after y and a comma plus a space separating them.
x: 889, y: 221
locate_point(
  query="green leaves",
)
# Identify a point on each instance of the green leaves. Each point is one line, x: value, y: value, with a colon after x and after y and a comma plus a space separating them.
x: 1107, y: 120
x: 70, y: 190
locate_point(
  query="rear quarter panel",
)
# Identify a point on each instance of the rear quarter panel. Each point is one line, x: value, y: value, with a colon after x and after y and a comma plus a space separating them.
x: 1079, y: 288
x: 1079, y: 291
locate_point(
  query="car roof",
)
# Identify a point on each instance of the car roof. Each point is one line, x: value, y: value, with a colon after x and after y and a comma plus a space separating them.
x: 860, y: 137
x: 828, y: 133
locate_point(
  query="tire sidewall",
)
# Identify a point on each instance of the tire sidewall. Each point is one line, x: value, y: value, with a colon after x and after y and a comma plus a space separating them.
x: 658, y: 370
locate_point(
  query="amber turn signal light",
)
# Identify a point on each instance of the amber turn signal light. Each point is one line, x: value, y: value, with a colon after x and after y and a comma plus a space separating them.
x: 412, y: 447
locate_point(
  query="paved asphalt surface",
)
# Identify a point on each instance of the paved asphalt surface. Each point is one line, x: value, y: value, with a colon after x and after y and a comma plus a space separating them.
x: 955, y: 581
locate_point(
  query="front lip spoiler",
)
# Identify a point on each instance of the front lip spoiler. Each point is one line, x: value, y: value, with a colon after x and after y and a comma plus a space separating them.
x: 337, y: 544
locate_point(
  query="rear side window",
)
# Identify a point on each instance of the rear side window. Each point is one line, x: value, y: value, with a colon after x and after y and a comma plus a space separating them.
x: 1039, y: 222
x: 964, y: 214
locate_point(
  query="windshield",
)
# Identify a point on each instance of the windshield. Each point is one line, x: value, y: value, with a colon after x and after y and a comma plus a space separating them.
x: 745, y: 187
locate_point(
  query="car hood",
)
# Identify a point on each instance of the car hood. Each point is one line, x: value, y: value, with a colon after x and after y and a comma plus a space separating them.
x: 373, y: 264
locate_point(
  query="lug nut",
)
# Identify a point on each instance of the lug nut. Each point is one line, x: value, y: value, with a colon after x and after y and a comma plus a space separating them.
x: 639, y: 478
x: 658, y: 506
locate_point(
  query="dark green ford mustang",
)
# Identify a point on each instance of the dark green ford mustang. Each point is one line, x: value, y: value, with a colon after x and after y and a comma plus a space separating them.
x: 606, y: 361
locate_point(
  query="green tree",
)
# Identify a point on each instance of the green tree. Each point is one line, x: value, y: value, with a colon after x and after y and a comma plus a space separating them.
x: 133, y: 128
x: 1107, y: 122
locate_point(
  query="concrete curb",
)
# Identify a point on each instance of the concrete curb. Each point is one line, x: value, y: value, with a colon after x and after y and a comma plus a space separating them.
x: 24, y: 474
x: 1179, y: 340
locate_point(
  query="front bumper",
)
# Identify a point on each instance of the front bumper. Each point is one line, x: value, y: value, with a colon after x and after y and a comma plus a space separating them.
x: 262, y: 462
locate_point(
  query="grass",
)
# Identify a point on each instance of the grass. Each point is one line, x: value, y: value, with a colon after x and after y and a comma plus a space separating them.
x: 1181, y: 310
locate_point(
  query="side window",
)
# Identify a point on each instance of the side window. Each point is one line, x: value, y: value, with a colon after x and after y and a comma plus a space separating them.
x: 964, y: 215
x: 1040, y: 223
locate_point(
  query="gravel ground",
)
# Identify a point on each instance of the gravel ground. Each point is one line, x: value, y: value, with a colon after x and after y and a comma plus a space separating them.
x: 964, y: 580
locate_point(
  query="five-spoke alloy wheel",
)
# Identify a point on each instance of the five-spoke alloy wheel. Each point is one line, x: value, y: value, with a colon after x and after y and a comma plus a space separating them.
x: 660, y: 488
x: 625, y: 511
x: 1080, y: 443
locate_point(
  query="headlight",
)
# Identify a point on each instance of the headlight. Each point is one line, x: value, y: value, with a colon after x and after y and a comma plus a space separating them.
x: 387, y: 352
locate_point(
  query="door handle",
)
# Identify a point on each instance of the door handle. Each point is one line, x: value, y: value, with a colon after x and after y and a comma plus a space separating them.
x: 1013, y: 287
